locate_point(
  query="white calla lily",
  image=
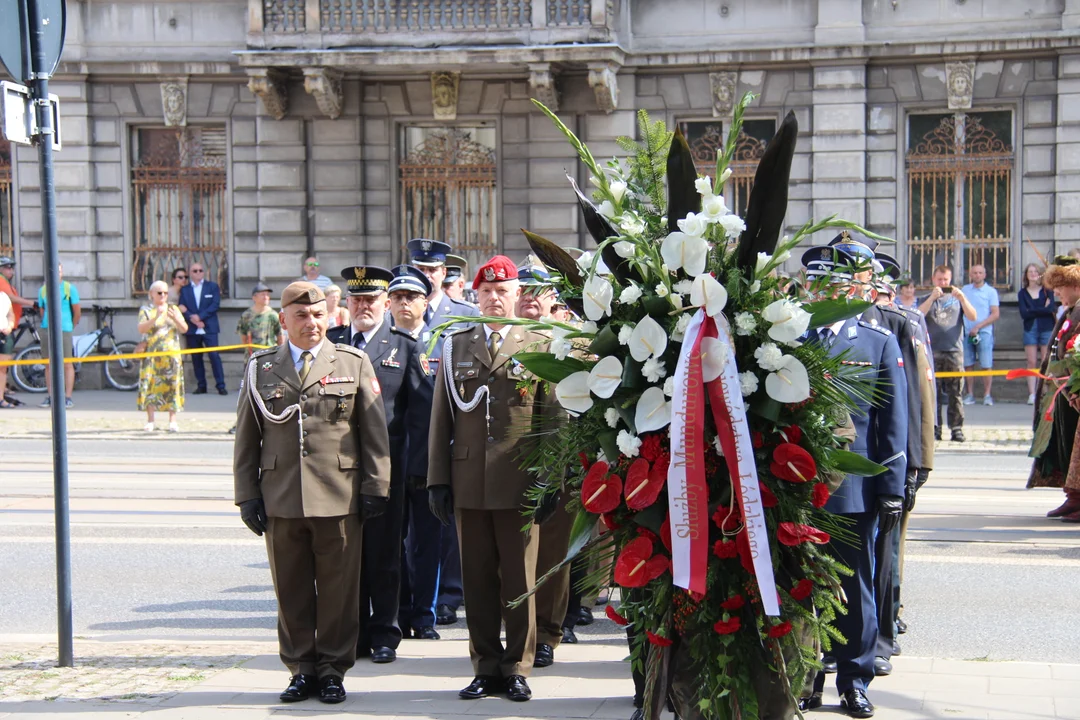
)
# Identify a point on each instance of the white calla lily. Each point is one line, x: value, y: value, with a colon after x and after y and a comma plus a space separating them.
x: 605, y: 377
x: 653, y: 411
x: 790, y: 383
x: 573, y: 392
x: 596, y: 296
x: 688, y: 252
x: 714, y: 355
x: 789, y: 320
x: 707, y: 292
x: 647, y: 340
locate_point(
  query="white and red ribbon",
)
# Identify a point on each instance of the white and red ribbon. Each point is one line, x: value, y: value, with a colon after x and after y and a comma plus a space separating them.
x: 688, y: 501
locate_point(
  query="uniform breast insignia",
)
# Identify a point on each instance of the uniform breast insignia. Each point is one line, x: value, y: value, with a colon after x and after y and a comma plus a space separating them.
x: 375, y: 386
x: 883, y: 330
x: 852, y: 332
x: 465, y: 364
x: 267, y: 365
x: 424, y: 364
x: 390, y: 361
x: 899, y: 362
x: 857, y: 363
x: 517, y: 368
x: 333, y: 380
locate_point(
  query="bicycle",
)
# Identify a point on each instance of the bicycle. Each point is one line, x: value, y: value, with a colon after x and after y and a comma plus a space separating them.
x: 121, y: 373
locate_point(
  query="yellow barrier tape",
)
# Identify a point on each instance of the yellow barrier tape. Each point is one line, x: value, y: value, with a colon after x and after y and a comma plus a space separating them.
x: 136, y: 356
x: 974, y: 373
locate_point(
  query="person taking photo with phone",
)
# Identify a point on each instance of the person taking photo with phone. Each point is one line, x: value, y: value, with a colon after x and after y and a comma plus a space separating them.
x: 945, y: 309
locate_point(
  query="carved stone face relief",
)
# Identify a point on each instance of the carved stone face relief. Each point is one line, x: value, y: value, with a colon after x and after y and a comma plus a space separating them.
x: 960, y: 84
x: 444, y: 95
x: 174, y: 102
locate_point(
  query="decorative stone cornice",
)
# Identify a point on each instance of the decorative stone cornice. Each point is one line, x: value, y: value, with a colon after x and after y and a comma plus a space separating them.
x: 324, y: 84
x: 272, y: 88
x: 960, y: 83
x: 542, y: 85
x: 724, y: 86
x: 174, y: 101
x: 605, y: 84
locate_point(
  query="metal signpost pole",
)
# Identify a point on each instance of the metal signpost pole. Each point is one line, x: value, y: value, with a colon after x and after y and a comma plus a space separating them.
x: 40, y: 88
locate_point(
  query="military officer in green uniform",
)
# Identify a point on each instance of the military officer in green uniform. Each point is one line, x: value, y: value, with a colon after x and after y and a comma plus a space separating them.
x: 311, y: 462
x: 484, y: 409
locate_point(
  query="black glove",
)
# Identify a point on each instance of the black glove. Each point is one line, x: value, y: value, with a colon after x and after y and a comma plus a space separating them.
x: 890, y: 508
x: 441, y: 502
x: 922, y: 477
x: 253, y: 513
x: 372, y: 506
x: 417, y: 482
x: 910, y: 487
x: 547, y: 507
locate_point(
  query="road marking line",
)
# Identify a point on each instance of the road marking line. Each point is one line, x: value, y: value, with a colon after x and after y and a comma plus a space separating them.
x: 47, y: 540
x: 993, y: 560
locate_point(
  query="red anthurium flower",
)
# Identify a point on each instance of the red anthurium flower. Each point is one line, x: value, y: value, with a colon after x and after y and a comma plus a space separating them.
x: 642, y: 485
x: 725, y: 549
x: 646, y: 532
x: 767, y: 498
x: 636, y: 565
x: 735, y: 602
x: 792, y: 434
x: 726, y: 627
x: 802, y: 589
x: 821, y: 495
x: 780, y: 629
x: 665, y: 533
x: 792, y: 463
x: 600, y: 492
x: 615, y: 617
x: 657, y: 640
x: 793, y: 534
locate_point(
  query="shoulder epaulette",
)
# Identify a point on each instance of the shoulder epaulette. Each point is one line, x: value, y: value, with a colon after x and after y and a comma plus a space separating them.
x: 883, y: 330
x: 349, y: 349
x: 458, y: 331
x: 403, y: 333
x: 264, y: 351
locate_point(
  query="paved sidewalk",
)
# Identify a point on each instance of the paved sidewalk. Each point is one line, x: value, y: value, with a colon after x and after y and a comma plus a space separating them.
x: 589, y: 680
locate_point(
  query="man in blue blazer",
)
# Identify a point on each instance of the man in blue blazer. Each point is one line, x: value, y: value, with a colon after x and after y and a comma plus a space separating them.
x: 201, y: 299
x: 872, y: 504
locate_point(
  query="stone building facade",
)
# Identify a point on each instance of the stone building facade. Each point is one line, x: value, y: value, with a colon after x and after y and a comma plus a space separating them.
x: 250, y: 134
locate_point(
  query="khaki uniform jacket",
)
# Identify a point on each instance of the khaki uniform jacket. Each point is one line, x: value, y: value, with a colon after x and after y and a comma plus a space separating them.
x: 344, y: 452
x: 482, y: 460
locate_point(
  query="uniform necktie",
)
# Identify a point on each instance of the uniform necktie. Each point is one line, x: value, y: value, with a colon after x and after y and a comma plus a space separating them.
x: 825, y: 336
x: 305, y: 365
x: 358, y: 341
x: 494, y: 343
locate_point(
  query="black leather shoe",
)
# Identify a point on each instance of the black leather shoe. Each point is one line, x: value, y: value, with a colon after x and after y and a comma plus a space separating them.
x: 957, y: 435
x: 199, y: 391
x: 856, y: 704
x: 383, y: 655
x: 810, y: 703
x: 331, y: 691
x: 545, y: 655
x: 481, y: 686
x: 300, y: 688
x: 639, y: 714
x: 937, y: 432
x: 222, y: 391
x: 882, y: 666
x: 828, y: 665
x: 896, y: 649
x: 517, y: 689
x: 585, y: 616
x: 568, y: 636
x: 901, y: 626
x: 427, y: 633
x: 445, y: 615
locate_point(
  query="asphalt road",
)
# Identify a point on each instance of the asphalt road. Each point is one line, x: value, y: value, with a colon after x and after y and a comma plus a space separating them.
x: 159, y: 552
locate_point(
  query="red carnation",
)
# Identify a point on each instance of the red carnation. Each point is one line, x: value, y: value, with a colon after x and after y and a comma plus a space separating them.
x: 735, y: 602
x: 790, y: 434
x: 636, y: 565
x: 725, y: 549
x: 727, y: 519
x: 780, y: 630
x: 584, y: 460
x: 657, y: 640
x: 615, y: 617
x: 767, y: 498
x: 665, y: 533
x: 792, y: 463
x: 757, y: 439
x: 600, y: 492
x: 742, y: 542
x: 726, y: 627
x: 802, y: 589
x: 821, y: 495
x: 643, y: 484
x: 793, y: 534
x: 651, y: 446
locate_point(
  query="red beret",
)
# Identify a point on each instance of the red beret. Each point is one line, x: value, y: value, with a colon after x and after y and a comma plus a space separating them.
x: 498, y: 269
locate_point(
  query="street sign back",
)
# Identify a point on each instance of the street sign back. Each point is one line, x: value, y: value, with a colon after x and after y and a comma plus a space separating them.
x: 15, y: 36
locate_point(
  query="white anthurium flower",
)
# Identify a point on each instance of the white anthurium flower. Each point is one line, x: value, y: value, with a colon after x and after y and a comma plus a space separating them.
x: 704, y: 186
x: 624, y: 249
x: 648, y: 340
x: 573, y: 392
x: 789, y: 320
x: 605, y: 377
x: 713, y: 207
x: 694, y: 224
x: 597, y: 295
x: 607, y: 210
x: 618, y: 189
x: 714, y: 355
x: 707, y: 292
x: 790, y: 383
x: 689, y: 252
x: 653, y: 410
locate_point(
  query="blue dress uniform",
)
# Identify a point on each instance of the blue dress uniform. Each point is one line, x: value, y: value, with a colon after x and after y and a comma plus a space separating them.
x: 432, y: 253
x: 406, y: 393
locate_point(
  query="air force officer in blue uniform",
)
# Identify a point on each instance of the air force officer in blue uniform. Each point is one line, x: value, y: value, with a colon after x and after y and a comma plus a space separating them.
x: 872, y: 504
x: 430, y: 257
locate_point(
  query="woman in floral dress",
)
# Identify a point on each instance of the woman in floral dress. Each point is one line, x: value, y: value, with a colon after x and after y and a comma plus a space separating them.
x: 161, y: 379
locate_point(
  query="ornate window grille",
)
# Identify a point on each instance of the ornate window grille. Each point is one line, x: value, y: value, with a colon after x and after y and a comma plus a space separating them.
x: 178, y: 184
x: 959, y: 172
x: 448, y: 189
x: 7, y: 226
x: 426, y: 15
x: 707, y: 139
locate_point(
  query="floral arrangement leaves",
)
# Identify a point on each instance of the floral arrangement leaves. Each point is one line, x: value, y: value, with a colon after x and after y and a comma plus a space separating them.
x: 767, y: 206
x: 681, y: 176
